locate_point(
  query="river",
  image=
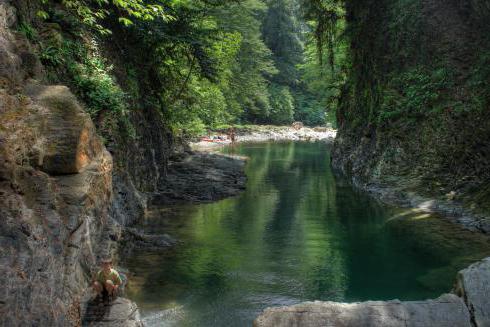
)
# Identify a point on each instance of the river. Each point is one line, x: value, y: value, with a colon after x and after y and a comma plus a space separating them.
x: 299, y: 232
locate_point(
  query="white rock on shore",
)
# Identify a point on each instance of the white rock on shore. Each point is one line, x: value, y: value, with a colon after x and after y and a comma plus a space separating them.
x: 291, y: 134
x: 447, y: 310
x: 272, y: 133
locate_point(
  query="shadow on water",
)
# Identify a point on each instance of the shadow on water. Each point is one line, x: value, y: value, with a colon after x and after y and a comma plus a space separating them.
x: 297, y: 233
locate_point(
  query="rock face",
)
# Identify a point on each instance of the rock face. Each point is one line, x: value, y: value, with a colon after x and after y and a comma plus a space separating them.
x: 473, y: 285
x: 51, y: 220
x: 434, y: 153
x: 447, y: 310
x: 56, y: 193
x: 469, y: 306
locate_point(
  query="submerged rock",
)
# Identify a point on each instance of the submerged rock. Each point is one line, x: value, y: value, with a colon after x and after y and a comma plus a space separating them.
x: 473, y: 285
x: 447, y: 310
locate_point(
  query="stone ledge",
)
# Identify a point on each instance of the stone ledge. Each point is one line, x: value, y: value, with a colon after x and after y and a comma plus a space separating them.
x: 470, y: 306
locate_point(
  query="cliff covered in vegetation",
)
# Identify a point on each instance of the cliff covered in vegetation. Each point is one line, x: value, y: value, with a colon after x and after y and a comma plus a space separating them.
x: 414, y: 111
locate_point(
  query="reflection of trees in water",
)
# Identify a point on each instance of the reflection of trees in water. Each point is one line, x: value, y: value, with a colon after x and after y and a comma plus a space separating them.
x: 297, y: 233
x: 303, y: 224
x: 283, y: 216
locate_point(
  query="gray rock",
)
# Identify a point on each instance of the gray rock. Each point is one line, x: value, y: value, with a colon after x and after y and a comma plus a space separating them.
x: 473, y: 285
x: 133, y: 238
x: 119, y: 313
x: 447, y: 310
x: 201, y: 177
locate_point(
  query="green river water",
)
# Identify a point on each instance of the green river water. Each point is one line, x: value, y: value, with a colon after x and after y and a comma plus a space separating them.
x: 298, y: 233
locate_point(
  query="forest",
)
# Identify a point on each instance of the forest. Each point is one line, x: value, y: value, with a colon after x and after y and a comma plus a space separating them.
x: 204, y: 64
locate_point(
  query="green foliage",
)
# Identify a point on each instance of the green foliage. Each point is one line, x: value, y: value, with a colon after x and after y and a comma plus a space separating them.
x: 323, y: 84
x: 405, y: 32
x: 478, y: 82
x: 28, y: 31
x: 282, y: 105
x: 93, y: 12
x: 309, y: 110
x: 210, y: 64
x: 51, y: 55
x: 248, y: 90
x: 417, y: 93
x: 324, y: 17
x: 282, y: 33
x: 90, y: 76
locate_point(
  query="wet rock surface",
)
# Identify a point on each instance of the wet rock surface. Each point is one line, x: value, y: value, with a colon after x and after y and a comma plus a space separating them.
x: 120, y: 312
x: 138, y: 239
x: 447, y: 310
x: 70, y: 142
x: 201, y: 177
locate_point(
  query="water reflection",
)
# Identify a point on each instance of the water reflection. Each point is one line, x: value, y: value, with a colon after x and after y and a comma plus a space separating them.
x: 297, y: 233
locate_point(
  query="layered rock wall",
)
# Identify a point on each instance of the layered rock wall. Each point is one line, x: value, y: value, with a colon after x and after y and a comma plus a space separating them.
x: 57, y: 205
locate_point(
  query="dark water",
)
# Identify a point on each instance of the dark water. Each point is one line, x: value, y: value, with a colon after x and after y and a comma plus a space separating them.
x: 297, y: 233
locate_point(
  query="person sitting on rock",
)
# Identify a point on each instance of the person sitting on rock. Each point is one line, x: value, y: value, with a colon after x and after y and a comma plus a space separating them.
x: 107, y: 280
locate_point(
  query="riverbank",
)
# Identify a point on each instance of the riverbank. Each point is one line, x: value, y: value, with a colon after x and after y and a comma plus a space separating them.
x: 446, y: 206
x: 264, y: 133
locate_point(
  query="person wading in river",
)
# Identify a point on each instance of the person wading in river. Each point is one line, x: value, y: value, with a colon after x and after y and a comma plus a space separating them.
x: 107, y: 280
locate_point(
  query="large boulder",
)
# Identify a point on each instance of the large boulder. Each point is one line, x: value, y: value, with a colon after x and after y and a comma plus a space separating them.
x: 71, y: 140
x: 447, y: 310
x: 473, y: 285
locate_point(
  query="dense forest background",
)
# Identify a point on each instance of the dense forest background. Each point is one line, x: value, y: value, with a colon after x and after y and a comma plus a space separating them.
x: 404, y: 81
x: 203, y: 64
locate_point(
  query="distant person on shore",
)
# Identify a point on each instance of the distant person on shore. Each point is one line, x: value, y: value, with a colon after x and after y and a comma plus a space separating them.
x: 232, y: 135
x: 107, y: 280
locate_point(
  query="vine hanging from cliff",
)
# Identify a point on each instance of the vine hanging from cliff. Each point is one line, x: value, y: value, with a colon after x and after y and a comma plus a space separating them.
x: 325, y: 15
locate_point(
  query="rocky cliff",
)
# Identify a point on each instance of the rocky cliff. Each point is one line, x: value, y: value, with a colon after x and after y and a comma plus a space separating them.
x: 414, y: 114
x: 63, y: 198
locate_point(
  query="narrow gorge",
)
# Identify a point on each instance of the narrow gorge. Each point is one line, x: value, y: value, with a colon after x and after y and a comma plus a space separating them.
x: 239, y: 160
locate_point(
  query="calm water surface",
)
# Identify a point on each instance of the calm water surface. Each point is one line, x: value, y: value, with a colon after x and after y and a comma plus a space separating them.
x: 297, y: 233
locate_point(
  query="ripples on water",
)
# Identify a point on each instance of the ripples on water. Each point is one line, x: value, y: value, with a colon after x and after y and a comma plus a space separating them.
x: 297, y: 233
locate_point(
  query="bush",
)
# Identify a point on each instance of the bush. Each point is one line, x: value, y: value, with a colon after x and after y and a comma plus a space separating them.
x: 416, y: 93
x: 90, y: 77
